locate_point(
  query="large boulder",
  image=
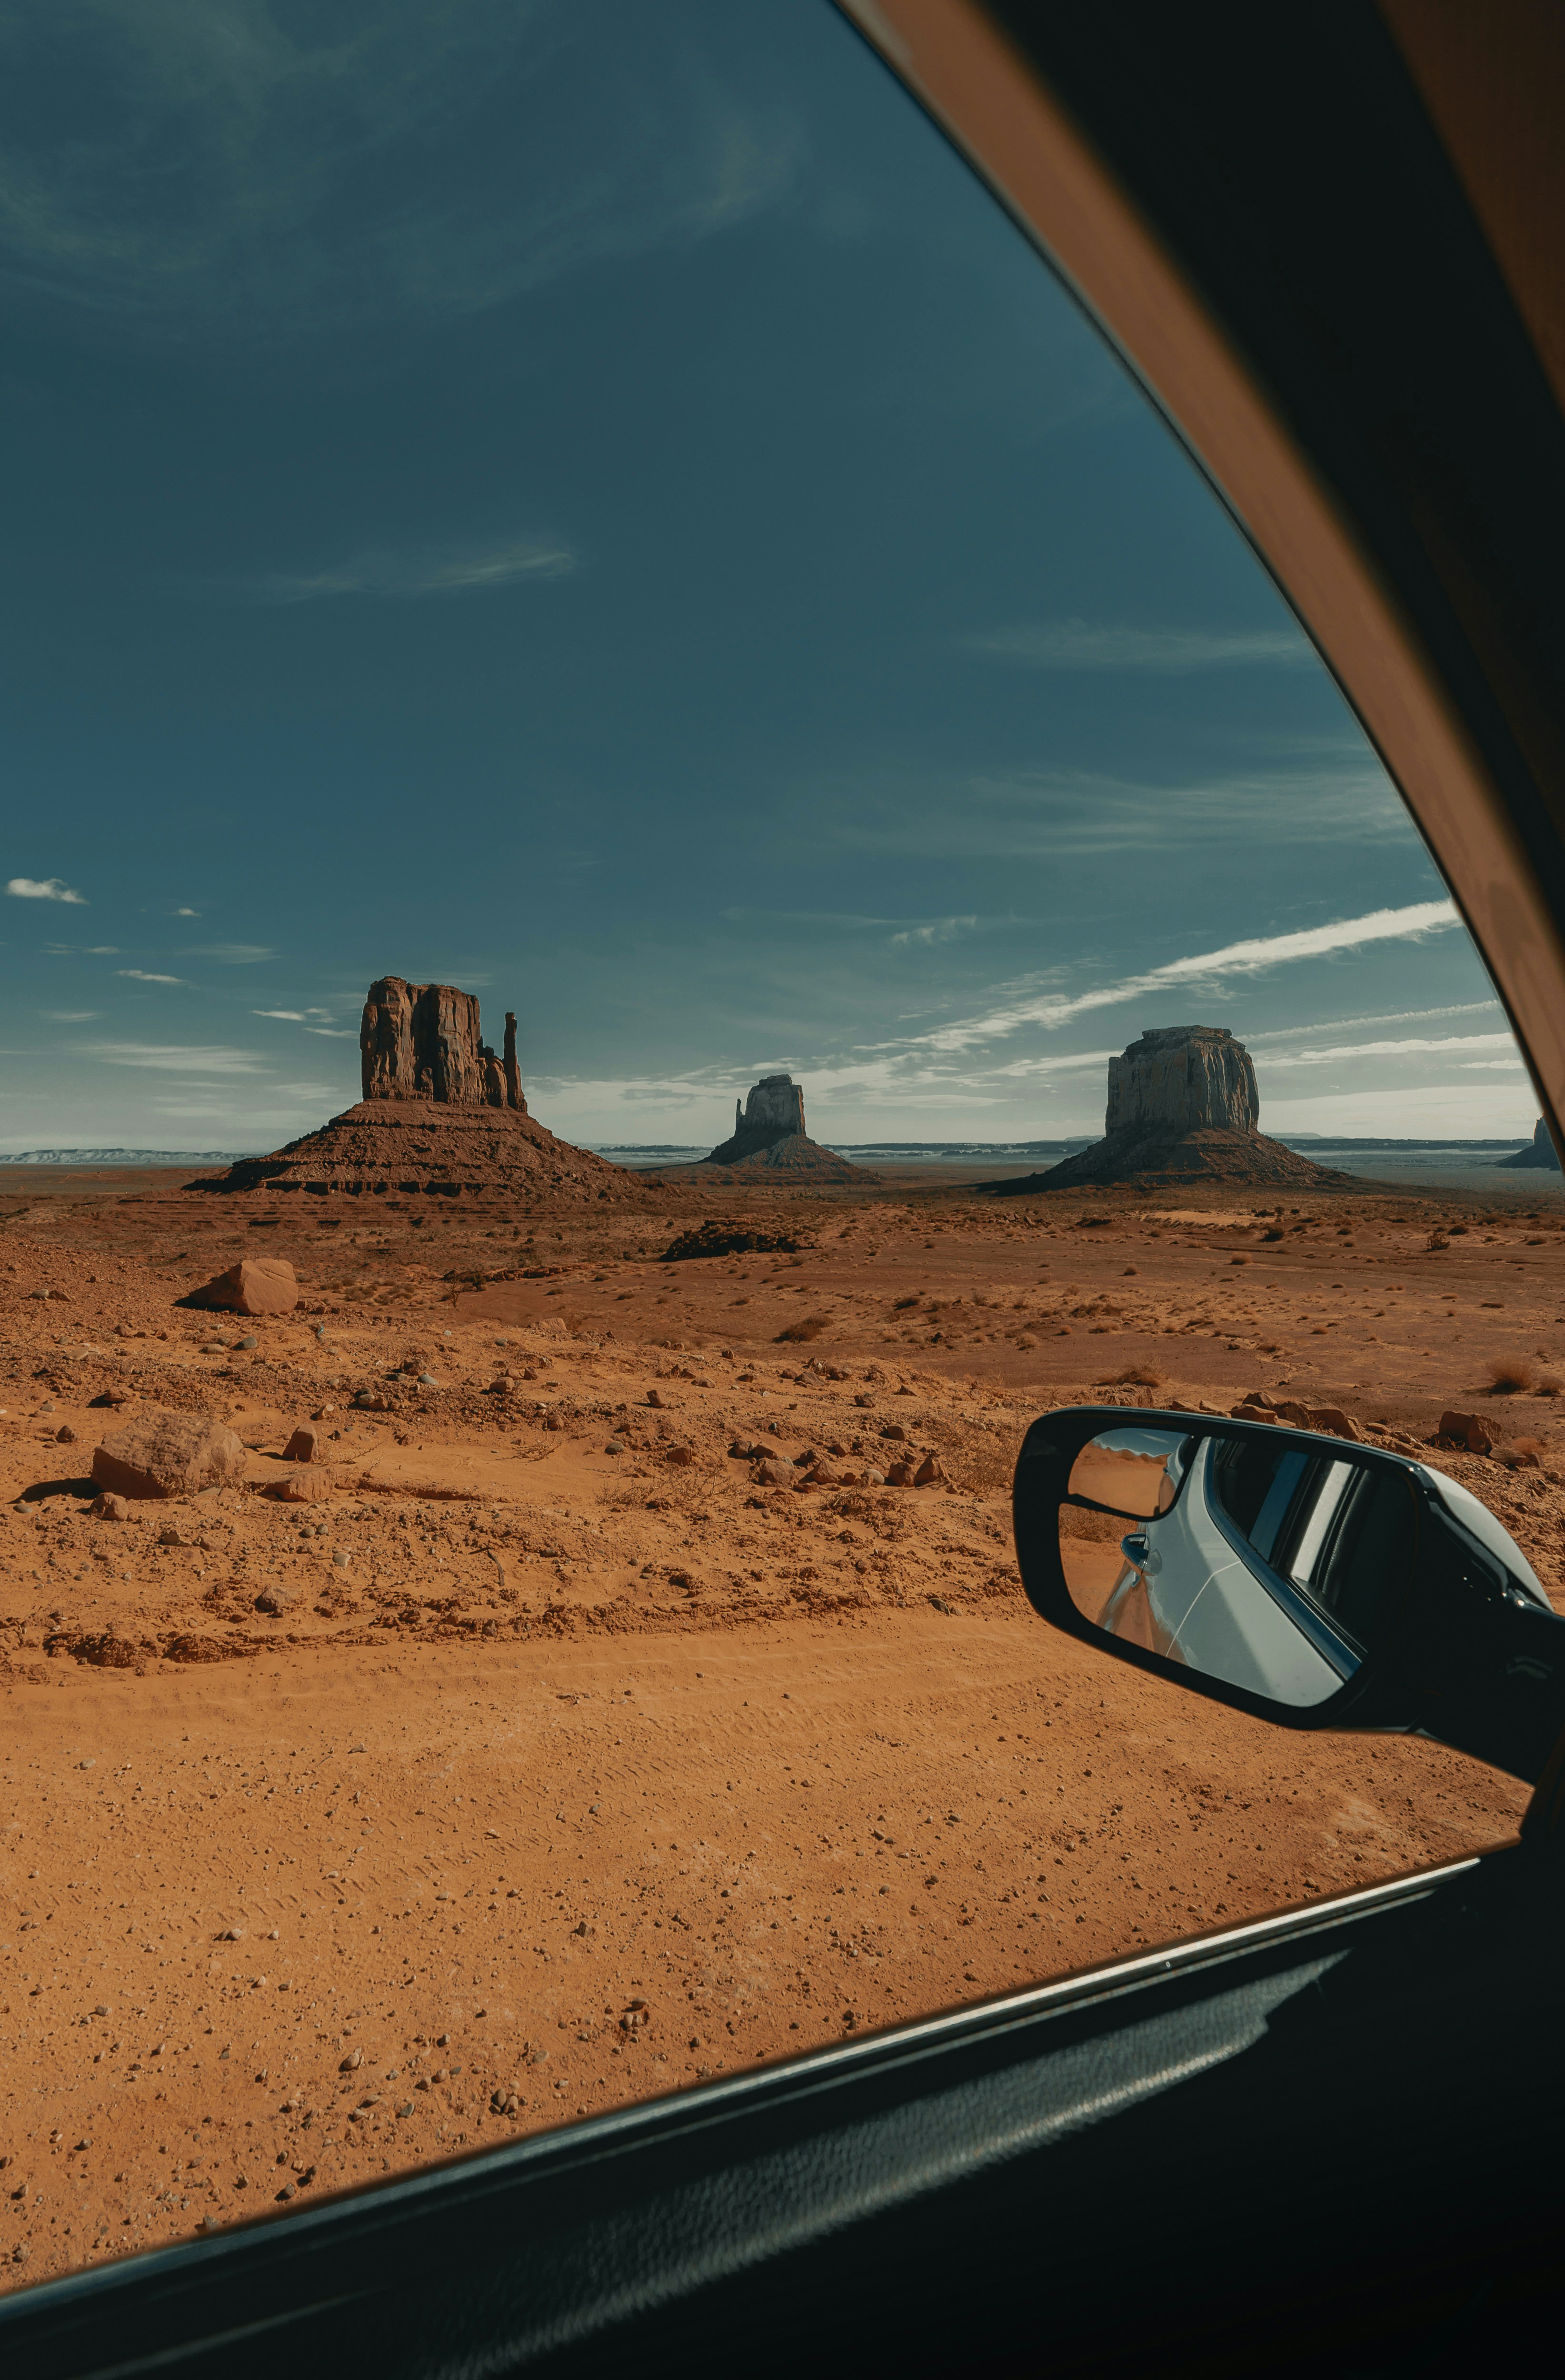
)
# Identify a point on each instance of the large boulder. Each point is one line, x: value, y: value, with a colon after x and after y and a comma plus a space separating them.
x: 167, y: 1454
x: 259, y: 1286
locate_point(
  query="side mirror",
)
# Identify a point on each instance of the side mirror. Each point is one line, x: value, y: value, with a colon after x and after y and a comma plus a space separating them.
x: 1311, y: 1582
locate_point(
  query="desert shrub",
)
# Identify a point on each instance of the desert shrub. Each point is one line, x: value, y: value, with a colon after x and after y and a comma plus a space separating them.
x: 808, y: 1325
x: 732, y: 1240
x: 900, y: 1305
x: 1509, y: 1374
x: 1137, y: 1376
x: 1548, y: 1384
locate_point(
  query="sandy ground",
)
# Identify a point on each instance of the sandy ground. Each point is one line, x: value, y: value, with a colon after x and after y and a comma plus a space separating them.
x: 561, y: 1776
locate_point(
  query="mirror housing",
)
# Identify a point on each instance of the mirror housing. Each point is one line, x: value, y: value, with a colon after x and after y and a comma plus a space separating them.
x: 1464, y: 1647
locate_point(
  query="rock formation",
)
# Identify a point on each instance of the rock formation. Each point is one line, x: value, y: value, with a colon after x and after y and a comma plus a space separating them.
x: 1181, y: 1079
x: 256, y: 1285
x: 1540, y: 1153
x: 441, y: 1116
x: 1182, y: 1107
x: 423, y: 1041
x: 769, y: 1136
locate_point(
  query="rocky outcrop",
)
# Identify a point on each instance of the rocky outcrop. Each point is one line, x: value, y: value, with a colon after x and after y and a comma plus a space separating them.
x: 1182, y: 1107
x: 1540, y: 1155
x: 442, y: 1116
x: 774, y: 1112
x: 769, y: 1137
x: 423, y: 1041
x: 407, y: 1148
x: 1182, y: 1078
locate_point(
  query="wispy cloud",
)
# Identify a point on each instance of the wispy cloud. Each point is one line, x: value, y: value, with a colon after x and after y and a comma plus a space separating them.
x: 232, y: 953
x: 140, y: 974
x: 68, y: 1016
x: 260, y: 176
x: 291, y: 1015
x: 1203, y: 970
x: 1395, y: 1016
x: 1175, y: 652
x: 172, y: 1059
x: 940, y: 930
x: 45, y: 888
x: 1054, y: 815
x: 333, y: 1032
x: 380, y: 572
x: 1441, y: 1045
x: 187, y: 913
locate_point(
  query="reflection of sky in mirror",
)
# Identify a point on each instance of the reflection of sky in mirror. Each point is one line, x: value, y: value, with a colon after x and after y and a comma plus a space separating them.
x: 1156, y: 1445
x: 592, y: 503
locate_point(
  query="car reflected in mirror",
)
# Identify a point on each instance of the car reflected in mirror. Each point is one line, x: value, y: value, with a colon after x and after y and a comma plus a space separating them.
x: 1306, y: 1578
x: 1260, y: 1561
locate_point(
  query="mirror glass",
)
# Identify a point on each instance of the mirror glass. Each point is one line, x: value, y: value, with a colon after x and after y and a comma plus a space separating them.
x: 1263, y: 1559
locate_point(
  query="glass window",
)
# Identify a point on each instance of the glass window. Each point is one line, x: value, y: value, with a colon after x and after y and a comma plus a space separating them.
x: 591, y: 511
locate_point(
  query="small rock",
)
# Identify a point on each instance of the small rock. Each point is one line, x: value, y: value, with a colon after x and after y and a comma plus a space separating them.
x: 615, y: 1446
x: 304, y: 1446
x: 232, y: 1933
x: 259, y: 1286
x: 1469, y: 1429
x: 681, y: 1457
x: 302, y: 1488
x: 654, y: 1397
x: 65, y: 1436
x: 929, y: 1472
x: 245, y: 1346
x: 110, y: 1508
x: 274, y: 1601
x: 893, y: 1429
x: 900, y: 1474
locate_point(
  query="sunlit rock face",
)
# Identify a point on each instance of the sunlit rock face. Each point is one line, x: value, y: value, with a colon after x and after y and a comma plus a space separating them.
x: 1180, y: 1079
x: 774, y: 1112
x: 769, y: 1137
x: 423, y: 1041
x: 1182, y: 1107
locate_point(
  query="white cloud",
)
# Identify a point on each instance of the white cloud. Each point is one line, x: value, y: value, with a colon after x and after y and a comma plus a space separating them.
x: 171, y: 1059
x: 1443, y: 1045
x: 187, y: 913
x: 68, y: 1016
x: 333, y: 1032
x: 46, y: 888
x: 232, y: 953
x: 1087, y: 645
x: 140, y: 974
x: 422, y: 571
x: 1205, y: 969
x: 940, y: 929
x: 1395, y: 1016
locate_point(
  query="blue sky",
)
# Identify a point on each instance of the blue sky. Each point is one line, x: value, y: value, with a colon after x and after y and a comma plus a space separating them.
x: 592, y: 503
